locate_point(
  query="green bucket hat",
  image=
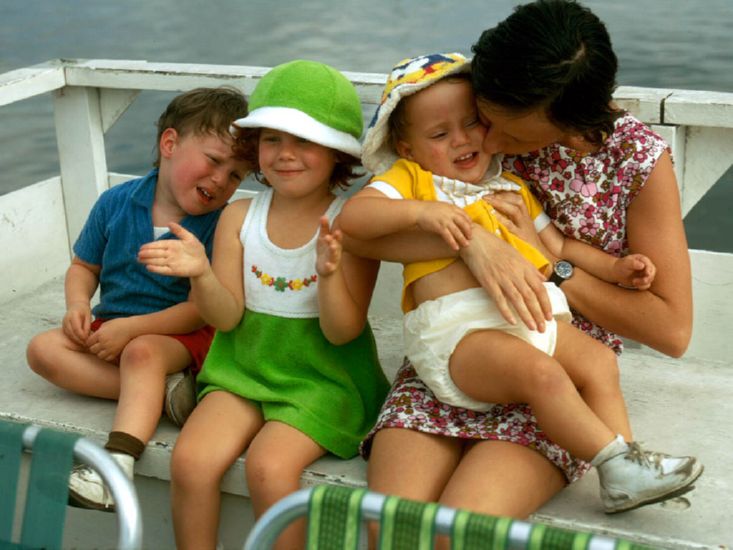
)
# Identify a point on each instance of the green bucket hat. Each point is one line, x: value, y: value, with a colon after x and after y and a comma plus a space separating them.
x: 310, y: 100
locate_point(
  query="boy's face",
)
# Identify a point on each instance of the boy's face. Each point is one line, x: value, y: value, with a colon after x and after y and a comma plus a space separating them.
x: 443, y: 133
x: 198, y: 173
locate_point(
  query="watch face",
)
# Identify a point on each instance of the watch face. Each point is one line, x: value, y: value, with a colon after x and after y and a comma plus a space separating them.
x: 564, y: 269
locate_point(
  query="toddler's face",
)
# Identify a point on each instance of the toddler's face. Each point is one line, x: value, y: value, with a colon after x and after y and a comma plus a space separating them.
x: 203, y: 171
x: 443, y: 133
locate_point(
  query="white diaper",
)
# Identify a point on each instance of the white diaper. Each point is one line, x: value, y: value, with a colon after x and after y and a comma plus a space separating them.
x: 433, y: 330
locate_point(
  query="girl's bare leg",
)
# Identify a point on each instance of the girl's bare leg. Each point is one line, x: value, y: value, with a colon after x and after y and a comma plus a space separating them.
x: 214, y: 436
x: 275, y: 461
x: 67, y: 365
x: 144, y: 364
x: 495, y: 367
x: 593, y: 368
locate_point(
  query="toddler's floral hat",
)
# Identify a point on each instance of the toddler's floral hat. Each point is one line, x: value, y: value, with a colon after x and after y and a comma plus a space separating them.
x: 407, y: 77
x: 310, y: 100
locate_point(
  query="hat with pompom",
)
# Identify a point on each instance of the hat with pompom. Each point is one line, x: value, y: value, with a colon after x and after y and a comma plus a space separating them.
x: 310, y: 100
x: 407, y: 77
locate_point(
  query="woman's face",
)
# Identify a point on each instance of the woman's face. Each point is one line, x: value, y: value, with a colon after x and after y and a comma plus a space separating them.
x: 513, y: 134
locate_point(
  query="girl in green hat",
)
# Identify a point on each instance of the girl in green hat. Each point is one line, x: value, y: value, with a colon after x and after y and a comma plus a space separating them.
x: 293, y: 371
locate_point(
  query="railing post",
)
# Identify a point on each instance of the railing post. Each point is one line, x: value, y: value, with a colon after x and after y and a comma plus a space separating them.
x: 80, y: 138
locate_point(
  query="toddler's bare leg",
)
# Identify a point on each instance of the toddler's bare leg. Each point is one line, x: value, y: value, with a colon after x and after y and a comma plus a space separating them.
x: 593, y: 368
x: 495, y: 367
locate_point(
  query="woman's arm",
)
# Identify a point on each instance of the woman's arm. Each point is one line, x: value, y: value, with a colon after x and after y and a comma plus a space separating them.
x: 512, y: 282
x: 660, y: 317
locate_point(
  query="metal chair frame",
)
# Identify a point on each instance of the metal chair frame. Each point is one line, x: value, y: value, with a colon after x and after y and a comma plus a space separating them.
x: 129, y: 516
x: 296, y: 505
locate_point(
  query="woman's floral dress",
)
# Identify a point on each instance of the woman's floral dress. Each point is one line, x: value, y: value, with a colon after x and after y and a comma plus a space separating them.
x: 587, y: 196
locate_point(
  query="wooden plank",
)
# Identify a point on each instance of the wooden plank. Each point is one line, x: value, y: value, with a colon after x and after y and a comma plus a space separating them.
x: 699, y: 108
x: 30, y: 81
x: 32, y: 237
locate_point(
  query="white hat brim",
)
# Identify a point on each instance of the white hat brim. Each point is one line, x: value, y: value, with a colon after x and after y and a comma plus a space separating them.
x: 298, y: 123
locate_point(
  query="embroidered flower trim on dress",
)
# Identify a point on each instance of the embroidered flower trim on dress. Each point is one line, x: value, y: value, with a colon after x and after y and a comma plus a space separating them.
x: 282, y: 283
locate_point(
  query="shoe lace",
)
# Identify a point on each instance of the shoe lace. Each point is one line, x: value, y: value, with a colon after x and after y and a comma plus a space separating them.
x: 649, y: 459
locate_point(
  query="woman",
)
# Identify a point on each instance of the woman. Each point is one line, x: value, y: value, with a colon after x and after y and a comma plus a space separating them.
x: 603, y: 177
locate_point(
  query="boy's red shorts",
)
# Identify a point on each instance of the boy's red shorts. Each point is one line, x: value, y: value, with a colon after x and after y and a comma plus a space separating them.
x: 197, y: 342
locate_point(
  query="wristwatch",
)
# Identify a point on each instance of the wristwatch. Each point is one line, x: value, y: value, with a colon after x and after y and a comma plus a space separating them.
x: 561, y: 272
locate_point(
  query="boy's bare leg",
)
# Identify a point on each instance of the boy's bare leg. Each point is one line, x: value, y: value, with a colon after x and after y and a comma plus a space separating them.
x: 144, y: 364
x: 275, y: 461
x: 593, y: 368
x: 68, y: 365
x: 495, y: 367
x: 214, y: 436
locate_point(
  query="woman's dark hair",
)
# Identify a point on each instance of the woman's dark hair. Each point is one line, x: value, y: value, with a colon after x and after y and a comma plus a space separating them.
x: 553, y: 54
x: 246, y: 147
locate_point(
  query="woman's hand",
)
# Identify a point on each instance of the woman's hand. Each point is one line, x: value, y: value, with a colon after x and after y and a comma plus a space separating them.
x: 512, y: 212
x: 514, y: 284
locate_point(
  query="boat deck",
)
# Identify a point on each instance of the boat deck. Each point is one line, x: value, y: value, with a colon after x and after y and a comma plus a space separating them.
x: 680, y: 406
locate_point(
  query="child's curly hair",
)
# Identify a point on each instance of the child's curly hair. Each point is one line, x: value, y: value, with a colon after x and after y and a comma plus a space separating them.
x: 246, y: 147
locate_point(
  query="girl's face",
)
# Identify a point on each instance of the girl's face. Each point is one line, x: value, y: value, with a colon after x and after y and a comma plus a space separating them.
x: 294, y: 166
x: 443, y: 133
x: 514, y: 134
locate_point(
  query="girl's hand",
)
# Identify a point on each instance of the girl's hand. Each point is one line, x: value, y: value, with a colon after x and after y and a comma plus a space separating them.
x: 328, y: 249
x: 448, y: 221
x: 634, y: 271
x: 182, y: 257
x: 512, y: 212
x: 108, y: 341
x: 77, y: 322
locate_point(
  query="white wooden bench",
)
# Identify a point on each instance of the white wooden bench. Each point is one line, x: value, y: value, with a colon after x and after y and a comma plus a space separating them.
x: 683, y: 406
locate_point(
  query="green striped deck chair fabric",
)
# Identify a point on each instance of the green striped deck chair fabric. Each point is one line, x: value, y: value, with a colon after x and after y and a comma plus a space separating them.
x: 336, y: 518
x: 47, y: 493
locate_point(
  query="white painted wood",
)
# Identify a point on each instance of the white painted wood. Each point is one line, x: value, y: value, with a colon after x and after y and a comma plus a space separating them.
x: 81, y: 153
x: 643, y: 103
x: 32, y: 237
x: 712, y: 291
x: 675, y: 136
x: 113, y: 104
x: 30, y: 81
x: 699, y: 108
x: 708, y: 154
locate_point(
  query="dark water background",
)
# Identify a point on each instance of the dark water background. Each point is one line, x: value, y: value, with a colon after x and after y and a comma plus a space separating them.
x: 660, y: 43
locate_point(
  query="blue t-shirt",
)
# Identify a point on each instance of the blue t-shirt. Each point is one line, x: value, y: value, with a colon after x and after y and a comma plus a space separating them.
x: 119, y: 224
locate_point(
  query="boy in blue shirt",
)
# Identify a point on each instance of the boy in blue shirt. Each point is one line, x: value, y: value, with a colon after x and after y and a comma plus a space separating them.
x: 144, y: 327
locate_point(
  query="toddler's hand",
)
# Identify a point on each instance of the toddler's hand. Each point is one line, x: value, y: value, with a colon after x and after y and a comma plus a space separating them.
x: 328, y: 249
x: 448, y: 221
x: 634, y: 271
x: 108, y: 341
x: 182, y: 257
x: 77, y: 322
